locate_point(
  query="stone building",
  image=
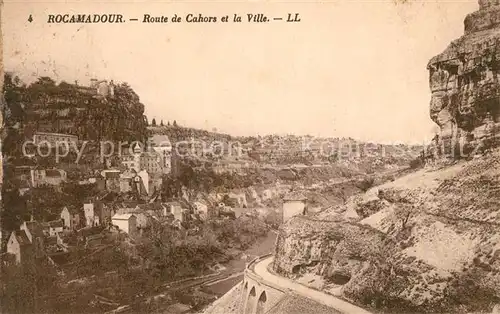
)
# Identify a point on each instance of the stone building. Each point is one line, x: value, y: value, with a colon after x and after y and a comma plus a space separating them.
x: 21, y: 247
x: 34, y: 232
x: 103, y: 88
x: 112, y: 180
x: 53, y: 139
x: 294, y: 204
x: 55, y: 227
x: 47, y: 177
x: 125, y: 222
x: 96, y: 213
x: 70, y: 217
x: 152, y: 161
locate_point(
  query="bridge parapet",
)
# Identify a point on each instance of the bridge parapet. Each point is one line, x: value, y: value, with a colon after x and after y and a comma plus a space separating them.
x: 258, y: 296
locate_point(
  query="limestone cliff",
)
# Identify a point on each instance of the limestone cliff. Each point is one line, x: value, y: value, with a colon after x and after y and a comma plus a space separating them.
x: 465, y: 86
x: 429, y: 241
x: 426, y: 242
x: 334, y: 249
x: 73, y: 109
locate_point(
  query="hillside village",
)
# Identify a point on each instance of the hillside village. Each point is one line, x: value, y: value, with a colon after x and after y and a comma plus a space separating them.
x: 425, y: 242
x: 68, y: 200
x: 107, y: 210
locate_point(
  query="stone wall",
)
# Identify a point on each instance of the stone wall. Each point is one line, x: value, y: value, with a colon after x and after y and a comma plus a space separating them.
x: 257, y: 295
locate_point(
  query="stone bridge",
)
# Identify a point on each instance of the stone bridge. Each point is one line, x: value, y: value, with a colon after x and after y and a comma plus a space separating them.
x: 258, y: 296
x: 262, y: 291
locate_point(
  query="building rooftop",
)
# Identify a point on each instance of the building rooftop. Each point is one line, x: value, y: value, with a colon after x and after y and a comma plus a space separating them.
x: 122, y: 216
x: 128, y: 174
x: 71, y: 209
x: 35, y: 228
x: 22, y: 238
x: 295, y: 196
x: 56, y: 224
x: 150, y: 206
x: 108, y: 174
x: 173, y: 203
x: 128, y: 204
x: 51, y: 240
x: 53, y: 173
x: 95, y: 236
x: 55, y: 134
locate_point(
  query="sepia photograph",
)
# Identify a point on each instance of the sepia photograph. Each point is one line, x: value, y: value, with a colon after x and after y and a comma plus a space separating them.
x: 250, y: 156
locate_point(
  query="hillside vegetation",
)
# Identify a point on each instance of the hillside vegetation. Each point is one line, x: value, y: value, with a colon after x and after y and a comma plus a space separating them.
x: 425, y: 242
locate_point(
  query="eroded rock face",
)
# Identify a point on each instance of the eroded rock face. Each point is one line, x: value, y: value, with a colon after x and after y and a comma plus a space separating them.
x: 430, y: 242
x: 328, y: 246
x: 464, y: 81
x: 427, y: 242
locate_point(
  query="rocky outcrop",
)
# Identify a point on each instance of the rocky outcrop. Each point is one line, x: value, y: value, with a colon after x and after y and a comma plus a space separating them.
x: 330, y: 246
x: 426, y: 242
x: 429, y: 241
x: 73, y: 109
x: 465, y: 85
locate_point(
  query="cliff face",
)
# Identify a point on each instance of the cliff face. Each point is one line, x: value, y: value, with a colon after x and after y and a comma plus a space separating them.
x: 66, y: 108
x: 464, y: 81
x: 428, y: 241
x: 332, y: 249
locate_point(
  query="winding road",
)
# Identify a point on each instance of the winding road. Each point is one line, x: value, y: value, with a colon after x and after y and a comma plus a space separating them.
x: 261, y: 269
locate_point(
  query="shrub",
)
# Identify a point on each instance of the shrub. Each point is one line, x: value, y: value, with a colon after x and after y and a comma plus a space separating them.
x: 416, y: 163
x: 366, y: 184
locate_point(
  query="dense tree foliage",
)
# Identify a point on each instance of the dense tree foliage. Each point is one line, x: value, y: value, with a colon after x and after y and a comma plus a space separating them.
x: 23, y: 288
x: 169, y: 254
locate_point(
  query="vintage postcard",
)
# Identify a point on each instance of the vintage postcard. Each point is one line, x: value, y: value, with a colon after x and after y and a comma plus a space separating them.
x: 250, y: 157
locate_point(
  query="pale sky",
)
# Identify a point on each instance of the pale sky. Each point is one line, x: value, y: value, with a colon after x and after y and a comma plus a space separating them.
x: 348, y: 69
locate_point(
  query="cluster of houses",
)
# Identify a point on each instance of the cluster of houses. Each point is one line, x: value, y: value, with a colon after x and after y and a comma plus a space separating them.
x: 34, y: 177
x: 48, y: 239
x: 131, y: 216
x: 31, y: 241
x: 143, y: 183
x: 140, y: 174
x: 156, y: 159
x: 98, y: 88
x: 139, y: 170
x: 45, y: 239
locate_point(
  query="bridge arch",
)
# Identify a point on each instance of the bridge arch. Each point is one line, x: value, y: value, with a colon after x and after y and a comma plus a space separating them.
x: 260, y: 295
x: 252, y: 296
x: 261, y: 303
